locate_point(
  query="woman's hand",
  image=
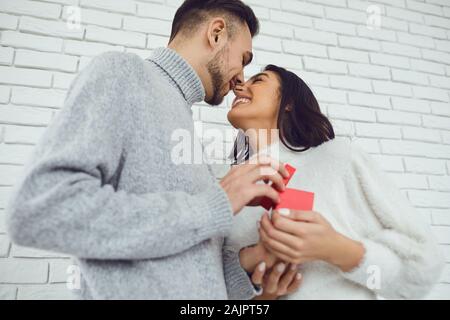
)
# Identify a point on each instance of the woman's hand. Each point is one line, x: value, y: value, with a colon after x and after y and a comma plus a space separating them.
x: 252, y: 256
x: 278, y: 280
x: 301, y: 236
x: 281, y: 280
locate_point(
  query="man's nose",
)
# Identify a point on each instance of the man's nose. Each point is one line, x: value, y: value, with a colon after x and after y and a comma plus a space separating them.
x: 240, y: 78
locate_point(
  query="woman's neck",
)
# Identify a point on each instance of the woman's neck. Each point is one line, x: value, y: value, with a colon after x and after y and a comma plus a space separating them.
x: 261, y: 139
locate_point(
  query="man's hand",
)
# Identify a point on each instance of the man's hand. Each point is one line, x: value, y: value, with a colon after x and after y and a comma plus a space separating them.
x: 240, y: 182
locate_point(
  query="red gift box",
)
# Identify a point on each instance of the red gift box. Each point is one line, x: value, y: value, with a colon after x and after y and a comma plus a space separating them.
x: 291, y: 198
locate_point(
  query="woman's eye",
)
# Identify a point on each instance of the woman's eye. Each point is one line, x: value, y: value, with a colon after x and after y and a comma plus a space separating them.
x: 257, y: 80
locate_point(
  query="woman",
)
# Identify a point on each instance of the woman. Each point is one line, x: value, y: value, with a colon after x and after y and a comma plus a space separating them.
x: 363, y: 238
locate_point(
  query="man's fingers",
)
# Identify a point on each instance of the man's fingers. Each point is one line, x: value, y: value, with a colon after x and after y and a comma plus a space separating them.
x: 269, y: 174
x: 283, y: 170
x: 258, y: 274
x: 274, y: 278
x: 239, y: 170
x: 264, y: 160
x: 241, y: 187
x: 275, y: 164
x: 263, y: 190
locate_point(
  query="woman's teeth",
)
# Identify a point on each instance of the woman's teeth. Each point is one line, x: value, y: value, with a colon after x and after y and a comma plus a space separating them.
x: 240, y: 100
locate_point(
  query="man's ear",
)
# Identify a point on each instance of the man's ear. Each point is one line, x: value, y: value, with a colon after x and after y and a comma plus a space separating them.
x: 217, y: 33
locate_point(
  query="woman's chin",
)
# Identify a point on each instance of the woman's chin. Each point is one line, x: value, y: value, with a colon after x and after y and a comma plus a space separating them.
x: 235, y: 125
x: 233, y: 119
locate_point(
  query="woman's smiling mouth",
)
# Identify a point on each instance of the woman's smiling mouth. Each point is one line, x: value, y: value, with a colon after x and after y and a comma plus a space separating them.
x: 240, y: 100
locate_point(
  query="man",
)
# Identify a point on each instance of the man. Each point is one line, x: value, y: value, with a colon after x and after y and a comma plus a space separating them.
x: 102, y: 187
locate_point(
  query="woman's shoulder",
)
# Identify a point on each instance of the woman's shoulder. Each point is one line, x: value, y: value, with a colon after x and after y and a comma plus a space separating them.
x: 350, y: 156
x: 337, y: 149
x: 337, y: 155
x: 342, y: 148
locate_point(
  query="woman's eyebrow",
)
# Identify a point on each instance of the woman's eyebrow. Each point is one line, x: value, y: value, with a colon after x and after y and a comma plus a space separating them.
x: 259, y: 75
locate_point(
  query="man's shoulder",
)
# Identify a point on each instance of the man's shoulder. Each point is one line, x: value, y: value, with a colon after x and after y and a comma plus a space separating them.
x: 112, y: 74
x: 116, y: 63
x: 113, y: 69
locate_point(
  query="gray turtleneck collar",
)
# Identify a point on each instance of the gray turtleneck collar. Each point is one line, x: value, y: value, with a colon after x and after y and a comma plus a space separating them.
x: 180, y: 73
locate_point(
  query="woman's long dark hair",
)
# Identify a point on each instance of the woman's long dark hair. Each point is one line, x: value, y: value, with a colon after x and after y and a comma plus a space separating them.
x: 300, y: 122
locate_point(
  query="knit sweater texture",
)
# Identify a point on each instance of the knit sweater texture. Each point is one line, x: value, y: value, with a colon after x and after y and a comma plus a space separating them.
x: 103, y: 188
x: 402, y: 259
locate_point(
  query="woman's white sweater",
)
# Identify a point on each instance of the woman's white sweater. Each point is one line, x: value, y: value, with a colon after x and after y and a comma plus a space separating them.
x: 402, y: 259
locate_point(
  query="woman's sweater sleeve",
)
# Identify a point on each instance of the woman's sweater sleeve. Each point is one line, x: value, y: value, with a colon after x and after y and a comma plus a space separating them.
x: 402, y: 260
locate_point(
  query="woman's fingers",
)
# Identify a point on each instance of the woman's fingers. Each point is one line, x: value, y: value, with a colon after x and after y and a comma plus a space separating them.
x: 283, y: 257
x: 295, y: 284
x: 271, y: 229
x: 258, y: 274
x: 287, y: 279
x: 285, y: 224
x: 271, y: 285
x: 286, y: 258
x: 278, y: 248
x: 301, y: 215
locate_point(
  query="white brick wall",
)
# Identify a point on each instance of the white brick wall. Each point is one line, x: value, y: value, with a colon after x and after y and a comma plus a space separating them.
x: 389, y: 88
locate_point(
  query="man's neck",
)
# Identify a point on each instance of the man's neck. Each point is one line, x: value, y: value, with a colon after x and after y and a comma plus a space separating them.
x: 192, y: 59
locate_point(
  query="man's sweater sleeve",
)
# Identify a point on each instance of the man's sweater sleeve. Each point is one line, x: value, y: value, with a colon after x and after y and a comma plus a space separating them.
x: 402, y: 260
x: 238, y: 282
x: 66, y: 202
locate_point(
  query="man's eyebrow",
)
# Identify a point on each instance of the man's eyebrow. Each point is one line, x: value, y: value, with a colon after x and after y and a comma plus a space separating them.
x: 248, y: 57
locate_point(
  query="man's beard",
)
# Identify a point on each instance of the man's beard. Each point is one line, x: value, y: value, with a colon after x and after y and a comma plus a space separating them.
x: 217, y: 80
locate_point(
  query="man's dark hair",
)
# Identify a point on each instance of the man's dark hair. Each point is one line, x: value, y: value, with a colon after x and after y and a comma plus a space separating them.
x: 194, y: 12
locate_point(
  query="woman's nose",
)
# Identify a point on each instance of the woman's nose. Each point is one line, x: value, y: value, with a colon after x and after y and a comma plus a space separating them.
x: 239, y: 87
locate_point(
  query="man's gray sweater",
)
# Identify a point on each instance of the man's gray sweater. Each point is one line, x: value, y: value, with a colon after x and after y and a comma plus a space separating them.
x: 102, y: 187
